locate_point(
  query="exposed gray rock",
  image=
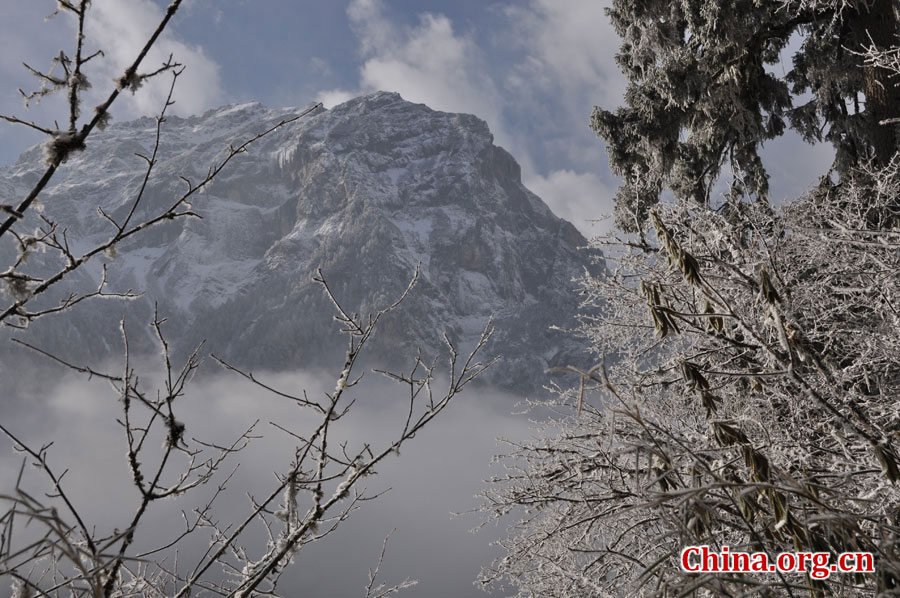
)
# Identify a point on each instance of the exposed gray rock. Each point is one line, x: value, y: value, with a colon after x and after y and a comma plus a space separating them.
x: 365, y: 191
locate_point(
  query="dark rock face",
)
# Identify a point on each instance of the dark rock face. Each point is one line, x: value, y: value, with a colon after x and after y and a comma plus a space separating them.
x: 364, y: 191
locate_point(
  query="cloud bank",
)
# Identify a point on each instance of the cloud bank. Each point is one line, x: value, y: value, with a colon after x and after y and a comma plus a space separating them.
x: 437, y: 473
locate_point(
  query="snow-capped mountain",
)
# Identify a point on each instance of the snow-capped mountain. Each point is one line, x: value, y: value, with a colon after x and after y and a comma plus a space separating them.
x: 364, y: 191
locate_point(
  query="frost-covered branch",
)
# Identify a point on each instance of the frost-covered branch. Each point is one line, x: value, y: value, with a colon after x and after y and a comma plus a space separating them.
x: 320, y: 488
x: 62, y: 143
x: 747, y: 364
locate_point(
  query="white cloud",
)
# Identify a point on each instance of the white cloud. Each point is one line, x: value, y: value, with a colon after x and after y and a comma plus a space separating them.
x: 428, y: 63
x: 435, y: 66
x: 332, y: 97
x: 375, y: 32
x: 569, y: 49
x: 120, y: 28
x: 566, y: 66
x: 584, y: 199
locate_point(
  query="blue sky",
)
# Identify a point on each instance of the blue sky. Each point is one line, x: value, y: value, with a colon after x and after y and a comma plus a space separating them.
x: 533, y: 69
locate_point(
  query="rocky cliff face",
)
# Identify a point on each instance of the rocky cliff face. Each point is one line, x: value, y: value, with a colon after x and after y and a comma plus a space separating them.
x: 364, y: 191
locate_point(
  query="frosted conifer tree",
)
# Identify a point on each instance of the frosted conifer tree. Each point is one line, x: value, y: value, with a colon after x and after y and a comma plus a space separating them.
x: 709, y: 81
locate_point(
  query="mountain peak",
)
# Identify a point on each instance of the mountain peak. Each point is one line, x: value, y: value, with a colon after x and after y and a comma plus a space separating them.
x: 366, y: 191
x: 376, y: 98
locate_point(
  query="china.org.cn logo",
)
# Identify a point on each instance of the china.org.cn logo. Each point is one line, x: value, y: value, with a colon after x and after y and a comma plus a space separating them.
x: 819, y: 565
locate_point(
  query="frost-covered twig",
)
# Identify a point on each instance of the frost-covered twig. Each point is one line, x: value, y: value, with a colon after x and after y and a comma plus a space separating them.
x: 381, y: 590
x: 75, y: 138
x: 743, y: 397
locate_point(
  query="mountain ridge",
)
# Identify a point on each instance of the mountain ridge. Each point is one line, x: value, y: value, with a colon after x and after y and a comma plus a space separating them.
x: 367, y: 191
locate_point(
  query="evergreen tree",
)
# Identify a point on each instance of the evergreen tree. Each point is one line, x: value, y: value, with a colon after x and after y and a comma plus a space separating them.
x: 707, y: 86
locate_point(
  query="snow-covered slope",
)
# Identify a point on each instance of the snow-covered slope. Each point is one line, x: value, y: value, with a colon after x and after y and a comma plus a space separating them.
x: 365, y: 191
